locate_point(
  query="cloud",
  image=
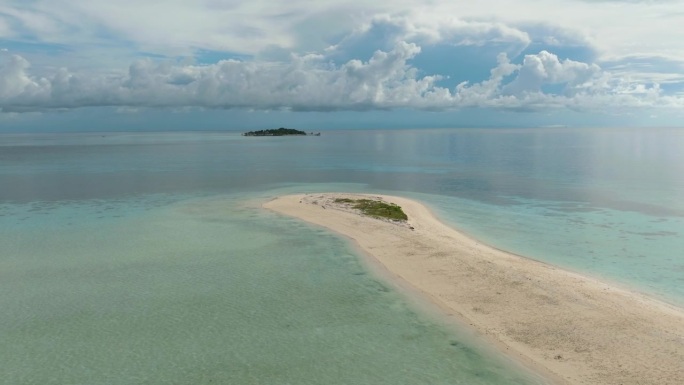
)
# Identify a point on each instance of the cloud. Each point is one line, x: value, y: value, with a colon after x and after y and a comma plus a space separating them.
x: 172, y: 28
x: 16, y: 84
x: 178, y: 27
x: 384, y: 31
x: 307, y: 82
x: 5, y: 29
x: 101, y: 36
x: 667, y: 72
x: 573, y: 85
x: 313, y: 82
x: 545, y: 69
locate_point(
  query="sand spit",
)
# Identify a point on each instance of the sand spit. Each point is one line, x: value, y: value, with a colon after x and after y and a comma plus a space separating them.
x: 570, y: 328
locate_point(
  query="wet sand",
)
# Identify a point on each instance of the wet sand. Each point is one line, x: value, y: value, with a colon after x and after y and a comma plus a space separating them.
x: 567, y: 327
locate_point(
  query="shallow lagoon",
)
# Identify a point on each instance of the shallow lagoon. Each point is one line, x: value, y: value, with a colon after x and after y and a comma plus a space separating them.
x: 213, y: 291
x: 144, y: 258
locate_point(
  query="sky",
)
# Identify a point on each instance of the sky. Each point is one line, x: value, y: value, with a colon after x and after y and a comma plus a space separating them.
x: 77, y: 65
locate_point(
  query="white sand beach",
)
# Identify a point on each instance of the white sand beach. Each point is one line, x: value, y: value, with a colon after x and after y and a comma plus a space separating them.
x: 570, y: 328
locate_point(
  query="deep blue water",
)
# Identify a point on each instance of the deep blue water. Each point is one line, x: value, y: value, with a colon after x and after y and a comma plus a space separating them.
x: 143, y: 257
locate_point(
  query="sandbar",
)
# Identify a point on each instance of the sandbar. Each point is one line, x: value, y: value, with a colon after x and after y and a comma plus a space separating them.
x: 570, y: 328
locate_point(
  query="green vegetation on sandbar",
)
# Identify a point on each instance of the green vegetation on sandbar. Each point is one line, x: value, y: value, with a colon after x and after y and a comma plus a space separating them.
x: 377, y: 209
x: 282, y: 131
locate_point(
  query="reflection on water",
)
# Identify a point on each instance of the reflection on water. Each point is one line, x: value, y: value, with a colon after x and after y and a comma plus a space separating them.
x: 638, y: 170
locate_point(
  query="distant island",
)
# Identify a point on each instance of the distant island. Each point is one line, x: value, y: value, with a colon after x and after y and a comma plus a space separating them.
x: 282, y: 131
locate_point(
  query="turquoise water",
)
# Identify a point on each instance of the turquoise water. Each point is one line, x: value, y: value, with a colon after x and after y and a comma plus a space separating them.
x: 145, y: 259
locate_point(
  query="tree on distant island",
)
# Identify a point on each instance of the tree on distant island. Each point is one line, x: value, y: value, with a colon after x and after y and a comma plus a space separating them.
x: 282, y: 131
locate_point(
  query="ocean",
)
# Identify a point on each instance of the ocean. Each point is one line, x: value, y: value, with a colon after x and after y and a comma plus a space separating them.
x: 145, y: 258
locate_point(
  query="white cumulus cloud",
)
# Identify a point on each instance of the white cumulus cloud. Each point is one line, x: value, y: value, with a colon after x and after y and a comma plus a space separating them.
x: 313, y: 82
x: 544, y: 68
